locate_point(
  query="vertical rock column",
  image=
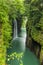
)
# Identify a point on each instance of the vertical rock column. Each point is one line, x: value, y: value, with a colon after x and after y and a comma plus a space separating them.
x: 41, y: 55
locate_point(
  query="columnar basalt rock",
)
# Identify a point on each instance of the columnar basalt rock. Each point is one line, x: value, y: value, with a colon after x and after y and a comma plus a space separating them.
x: 41, y: 54
x: 29, y: 42
x: 33, y: 44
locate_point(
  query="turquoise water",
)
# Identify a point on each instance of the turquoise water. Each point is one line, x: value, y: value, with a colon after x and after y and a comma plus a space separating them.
x: 19, y: 54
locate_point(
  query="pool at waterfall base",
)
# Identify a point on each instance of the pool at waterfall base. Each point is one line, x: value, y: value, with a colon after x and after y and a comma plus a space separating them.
x: 19, y: 55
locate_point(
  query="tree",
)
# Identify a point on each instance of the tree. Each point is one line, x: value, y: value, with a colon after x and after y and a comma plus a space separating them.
x: 8, y: 10
x: 34, y: 9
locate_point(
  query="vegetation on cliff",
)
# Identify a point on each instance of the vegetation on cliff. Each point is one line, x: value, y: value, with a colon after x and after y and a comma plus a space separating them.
x: 18, y: 9
x: 34, y: 10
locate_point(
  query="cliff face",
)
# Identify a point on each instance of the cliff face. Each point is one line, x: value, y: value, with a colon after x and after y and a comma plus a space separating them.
x: 34, y: 29
x: 33, y: 41
x: 34, y: 46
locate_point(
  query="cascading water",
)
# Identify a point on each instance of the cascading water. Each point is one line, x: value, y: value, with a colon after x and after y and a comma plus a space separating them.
x: 15, y: 30
x: 19, y: 54
x: 18, y: 43
x: 20, y: 46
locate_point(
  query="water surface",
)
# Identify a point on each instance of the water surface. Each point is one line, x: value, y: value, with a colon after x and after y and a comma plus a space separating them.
x: 19, y: 53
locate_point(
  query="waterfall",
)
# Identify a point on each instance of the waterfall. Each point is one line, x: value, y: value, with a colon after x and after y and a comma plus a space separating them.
x: 19, y: 40
x: 15, y: 29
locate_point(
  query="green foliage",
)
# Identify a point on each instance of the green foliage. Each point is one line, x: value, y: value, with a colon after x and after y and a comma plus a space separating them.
x: 35, y: 20
x: 18, y: 56
x: 8, y: 10
x: 12, y: 9
x: 24, y: 21
x: 34, y: 13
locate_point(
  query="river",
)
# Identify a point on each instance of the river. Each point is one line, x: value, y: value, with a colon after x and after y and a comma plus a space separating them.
x: 19, y: 54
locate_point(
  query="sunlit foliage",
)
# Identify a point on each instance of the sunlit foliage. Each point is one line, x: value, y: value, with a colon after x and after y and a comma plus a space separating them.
x: 8, y: 10
x: 34, y: 12
x: 18, y: 56
x: 12, y: 9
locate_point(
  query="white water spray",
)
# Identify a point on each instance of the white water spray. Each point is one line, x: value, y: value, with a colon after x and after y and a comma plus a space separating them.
x: 15, y: 30
x: 20, y: 41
